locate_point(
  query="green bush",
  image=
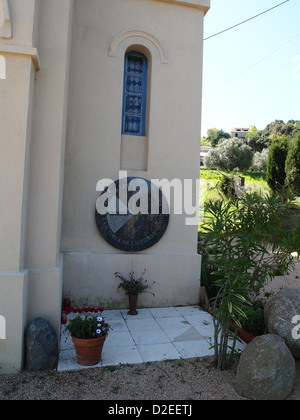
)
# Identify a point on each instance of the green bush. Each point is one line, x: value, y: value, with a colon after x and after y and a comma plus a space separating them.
x: 292, y: 166
x: 208, y: 277
x: 227, y: 187
x: 254, y: 322
x: 247, y: 240
x: 230, y: 154
x: 276, y: 164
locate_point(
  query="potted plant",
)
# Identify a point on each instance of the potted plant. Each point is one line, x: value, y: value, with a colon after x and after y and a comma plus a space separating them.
x: 134, y: 287
x: 88, y: 335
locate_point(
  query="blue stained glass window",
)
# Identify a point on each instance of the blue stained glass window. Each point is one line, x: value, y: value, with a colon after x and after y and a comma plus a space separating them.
x: 135, y: 94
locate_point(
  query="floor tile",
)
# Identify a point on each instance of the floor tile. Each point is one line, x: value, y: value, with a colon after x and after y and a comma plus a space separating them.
x: 141, y: 337
x: 113, y: 356
x: 190, y: 349
x: 115, y: 338
x: 163, y: 312
x: 66, y: 343
x: 154, y: 334
x: 189, y: 310
x: 111, y: 315
x: 118, y: 325
x: 203, y: 324
x: 155, y: 352
x: 174, y: 322
x: 68, y: 362
x: 142, y: 324
x: 183, y: 334
x: 142, y: 314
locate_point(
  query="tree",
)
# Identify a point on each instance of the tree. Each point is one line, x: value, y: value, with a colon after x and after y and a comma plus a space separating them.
x: 260, y: 161
x: 278, y: 129
x: 292, y: 166
x: 230, y: 154
x: 276, y: 164
x: 214, y: 136
x: 254, y: 140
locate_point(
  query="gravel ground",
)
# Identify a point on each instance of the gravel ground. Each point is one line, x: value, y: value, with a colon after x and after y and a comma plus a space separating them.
x: 189, y: 379
x: 175, y: 380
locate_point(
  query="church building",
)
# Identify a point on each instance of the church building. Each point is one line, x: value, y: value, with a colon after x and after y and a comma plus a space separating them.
x: 96, y: 97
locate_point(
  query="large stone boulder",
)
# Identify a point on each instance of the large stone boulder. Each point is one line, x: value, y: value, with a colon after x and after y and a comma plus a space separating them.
x: 266, y: 369
x: 279, y: 313
x: 41, y: 346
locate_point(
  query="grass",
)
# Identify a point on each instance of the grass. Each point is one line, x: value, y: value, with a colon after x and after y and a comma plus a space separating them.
x: 254, y: 182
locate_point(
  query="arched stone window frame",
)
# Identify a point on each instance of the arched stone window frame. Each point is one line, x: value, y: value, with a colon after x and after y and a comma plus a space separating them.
x: 144, y: 43
x: 145, y: 40
x: 134, y: 150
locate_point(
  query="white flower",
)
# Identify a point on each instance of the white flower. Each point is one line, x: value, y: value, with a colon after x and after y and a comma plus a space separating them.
x: 99, y: 319
x: 98, y: 331
x: 99, y: 325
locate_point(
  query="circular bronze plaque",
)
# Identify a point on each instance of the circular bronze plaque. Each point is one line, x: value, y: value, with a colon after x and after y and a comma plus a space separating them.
x: 132, y: 214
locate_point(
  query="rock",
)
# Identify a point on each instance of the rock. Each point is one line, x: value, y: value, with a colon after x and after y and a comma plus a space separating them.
x: 41, y: 346
x: 279, y: 313
x: 266, y: 369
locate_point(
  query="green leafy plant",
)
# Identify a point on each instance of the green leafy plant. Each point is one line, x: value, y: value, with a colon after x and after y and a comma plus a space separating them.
x: 254, y: 322
x: 208, y: 279
x: 292, y: 166
x: 276, y: 163
x: 246, y: 240
x: 88, y: 327
x: 227, y: 187
x: 134, y: 286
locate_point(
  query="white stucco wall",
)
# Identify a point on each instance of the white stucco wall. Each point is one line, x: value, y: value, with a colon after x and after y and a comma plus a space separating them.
x: 170, y: 35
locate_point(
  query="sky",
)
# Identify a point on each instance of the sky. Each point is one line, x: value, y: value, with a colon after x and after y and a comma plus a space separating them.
x: 251, y: 74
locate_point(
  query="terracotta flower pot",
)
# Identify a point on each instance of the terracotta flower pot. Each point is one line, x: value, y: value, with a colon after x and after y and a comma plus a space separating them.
x: 88, y: 352
x: 132, y: 304
x: 244, y: 335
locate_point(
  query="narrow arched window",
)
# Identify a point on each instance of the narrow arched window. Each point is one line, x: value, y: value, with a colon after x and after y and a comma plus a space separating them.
x: 135, y: 94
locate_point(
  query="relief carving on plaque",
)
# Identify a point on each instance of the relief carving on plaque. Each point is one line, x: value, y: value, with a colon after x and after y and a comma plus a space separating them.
x: 136, y: 215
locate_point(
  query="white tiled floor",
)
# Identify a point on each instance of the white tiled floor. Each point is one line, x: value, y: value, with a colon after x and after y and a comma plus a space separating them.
x: 152, y: 335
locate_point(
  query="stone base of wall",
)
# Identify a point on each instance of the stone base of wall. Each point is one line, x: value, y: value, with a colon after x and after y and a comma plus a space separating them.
x: 89, y: 279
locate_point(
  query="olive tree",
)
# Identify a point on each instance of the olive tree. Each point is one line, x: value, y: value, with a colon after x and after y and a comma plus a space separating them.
x: 230, y: 154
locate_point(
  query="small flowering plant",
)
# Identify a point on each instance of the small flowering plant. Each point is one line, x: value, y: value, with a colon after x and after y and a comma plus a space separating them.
x: 88, y: 327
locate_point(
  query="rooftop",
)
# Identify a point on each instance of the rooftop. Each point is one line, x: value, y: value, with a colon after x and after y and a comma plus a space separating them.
x: 200, y: 4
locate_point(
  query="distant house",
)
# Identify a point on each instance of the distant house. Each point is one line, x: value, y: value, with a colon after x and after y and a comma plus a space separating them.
x: 239, y: 132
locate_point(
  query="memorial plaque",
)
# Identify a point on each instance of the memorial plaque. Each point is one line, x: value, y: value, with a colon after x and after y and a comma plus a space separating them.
x: 136, y: 216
